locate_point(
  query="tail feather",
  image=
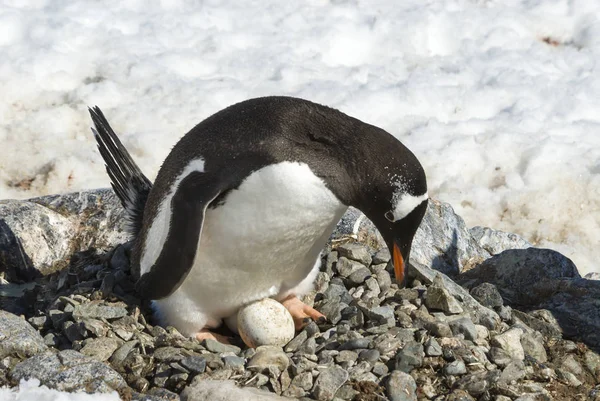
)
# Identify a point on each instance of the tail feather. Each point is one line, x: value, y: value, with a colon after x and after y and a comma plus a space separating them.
x: 128, y: 181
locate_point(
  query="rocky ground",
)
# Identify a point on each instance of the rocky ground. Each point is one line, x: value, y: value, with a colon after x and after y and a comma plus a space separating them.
x: 523, y: 334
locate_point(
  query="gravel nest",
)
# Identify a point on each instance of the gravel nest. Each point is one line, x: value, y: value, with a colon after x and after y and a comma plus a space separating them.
x: 379, y: 342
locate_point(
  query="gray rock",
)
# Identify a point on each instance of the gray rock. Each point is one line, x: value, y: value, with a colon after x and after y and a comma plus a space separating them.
x: 455, y: 368
x: 267, y: 357
x: 592, y: 361
x: 69, y: 371
x: 303, y: 381
x: 357, y: 343
x: 533, y: 344
x: 432, y: 347
x: 296, y: 342
x: 513, y: 372
x: 443, y: 241
x: 510, y: 341
x: 488, y: 295
x: 400, y: 386
x: 355, y: 251
x: 409, y: 357
x: 369, y: 355
x: 101, y: 348
x: 495, y: 241
x: 570, y: 364
x: 500, y: 357
x: 18, y: 338
x: 568, y: 377
x: 38, y: 236
x: 438, y: 329
x: 345, y: 267
x: 464, y: 326
x: 99, y: 310
x: 217, y: 347
x: 381, y: 314
x: 479, y: 313
x: 439, y: 298
x: 524, y: 275
x: 194, y: 363
x: 381, y: 256
x: 359, y: 276
x: 224, y: 390
x: 328, y: 383
x: 234, y: 362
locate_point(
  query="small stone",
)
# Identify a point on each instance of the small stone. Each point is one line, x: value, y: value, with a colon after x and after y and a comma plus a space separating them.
x: 513, y: 372
x: 120, y: 354
x: 432, y: 347
x: 505, y: 313
x: 400, y: 386
x: 359, y: 276
x: 52, y: 340
x: 357, y: 252
x: 100, y: 348
x: 234, y: 362
x: 357, y: 343
x: 381, y: 256
x: 568, y: 377
x: 592, y: 361
x: 99, y: 310
x: 384, y: 280
x: 482, y: 332
x: 346, y: 392
x: 303, y: 381
x: 168, y: 354
x: 328, y: 383
x: 500, y: 357
x: 533, y: 344
x: 267, y: 356
x: 345, y: 267
x: 455, y: 368
x: 18, y: 337
x: 346, y: 356
x: 73, y: 331
x: 333, y: 310
x: 369, y: 355
x: 380, y: 369
x: 381, y: 315
x: 39, y: 322
x: 438, y: 329
x: 510, y: 341
x: 217, y: 347
x: 409, y: 357
x: 488, y: 295
x: 438, y: 297
x: 296, y: 342
x: 570, y: 364
x: 194, y: 363
x: 309, y: 346
x: 464, y: 326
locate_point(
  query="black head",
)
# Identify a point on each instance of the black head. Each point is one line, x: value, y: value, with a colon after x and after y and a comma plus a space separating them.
x: 392, y: 193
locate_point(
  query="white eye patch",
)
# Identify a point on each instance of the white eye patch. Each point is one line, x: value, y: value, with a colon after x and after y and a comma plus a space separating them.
x: 403, y: 204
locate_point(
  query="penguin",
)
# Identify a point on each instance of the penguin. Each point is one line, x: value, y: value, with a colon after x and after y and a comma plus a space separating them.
x: 245, y: 202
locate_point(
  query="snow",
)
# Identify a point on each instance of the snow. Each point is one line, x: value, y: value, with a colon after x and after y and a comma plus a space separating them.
x: 30, y: 390
x: 499, y: 99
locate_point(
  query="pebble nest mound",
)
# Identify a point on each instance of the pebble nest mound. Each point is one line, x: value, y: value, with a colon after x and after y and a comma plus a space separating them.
x: 88, y: 331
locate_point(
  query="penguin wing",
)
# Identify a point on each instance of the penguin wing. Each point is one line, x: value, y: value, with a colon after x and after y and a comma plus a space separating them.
x: 188, y: 207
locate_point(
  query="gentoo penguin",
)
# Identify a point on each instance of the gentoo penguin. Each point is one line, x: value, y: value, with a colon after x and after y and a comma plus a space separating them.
x: 245, y: 202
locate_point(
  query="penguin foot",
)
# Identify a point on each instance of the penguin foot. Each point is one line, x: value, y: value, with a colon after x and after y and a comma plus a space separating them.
x: 301, y: 313
x: 205, y: 334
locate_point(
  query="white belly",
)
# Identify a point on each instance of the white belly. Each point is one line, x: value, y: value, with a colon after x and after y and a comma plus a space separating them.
x: 262, y: 242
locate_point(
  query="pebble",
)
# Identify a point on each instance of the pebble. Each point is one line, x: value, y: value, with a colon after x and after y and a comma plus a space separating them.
x: 267, y: 356
x: 194, y: 363
x: 439, y: 298
x: 455, y: 368
x: 345, y: 267
x: 400, y: 386
x: 217, y: 347
x: 432, y: 347
x: 464, y: 326
x: 328, y: 382
x: 533, y: 345
x: 357, y: 252
x: 101, y: 348
x: 358, y: 343
x: 409, y: 357
x: 510, y: 341
x: 488, y: 295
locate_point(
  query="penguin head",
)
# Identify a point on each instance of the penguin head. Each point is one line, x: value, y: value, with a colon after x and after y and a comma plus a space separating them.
x: 392, y: 193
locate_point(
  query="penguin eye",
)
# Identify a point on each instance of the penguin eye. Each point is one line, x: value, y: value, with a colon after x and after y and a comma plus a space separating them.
x: 390, y: 216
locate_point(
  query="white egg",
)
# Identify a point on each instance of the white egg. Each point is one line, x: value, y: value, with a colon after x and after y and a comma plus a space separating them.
x: 265, y: 322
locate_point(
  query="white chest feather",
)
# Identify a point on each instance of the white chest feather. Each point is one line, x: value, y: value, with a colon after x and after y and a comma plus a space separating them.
x: 263, y: 241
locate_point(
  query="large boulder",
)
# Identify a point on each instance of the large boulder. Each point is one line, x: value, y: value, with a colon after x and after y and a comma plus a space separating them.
x: 38, y: 236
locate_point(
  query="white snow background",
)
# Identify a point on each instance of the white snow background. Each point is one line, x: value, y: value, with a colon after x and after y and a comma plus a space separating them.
x: 500, y: 99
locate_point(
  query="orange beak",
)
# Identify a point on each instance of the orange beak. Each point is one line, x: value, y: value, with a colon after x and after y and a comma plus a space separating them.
x: 399, y: 270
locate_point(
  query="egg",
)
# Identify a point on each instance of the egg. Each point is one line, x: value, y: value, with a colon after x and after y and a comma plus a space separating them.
x: 265, y: 322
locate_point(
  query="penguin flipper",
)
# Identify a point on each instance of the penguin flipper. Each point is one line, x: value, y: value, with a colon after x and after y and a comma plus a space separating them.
x: 188, y: 207
x: 128, y: 181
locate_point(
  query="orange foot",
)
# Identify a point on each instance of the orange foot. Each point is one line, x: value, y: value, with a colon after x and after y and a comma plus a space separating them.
x: 205, y: 334
x: 301, y: 313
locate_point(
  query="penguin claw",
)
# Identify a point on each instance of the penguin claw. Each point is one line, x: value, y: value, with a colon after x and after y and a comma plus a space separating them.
x: 301, y: 313
x: 205, y: 334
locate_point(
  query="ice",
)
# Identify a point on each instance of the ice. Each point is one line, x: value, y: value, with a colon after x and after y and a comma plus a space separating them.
x: 499, y: 99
